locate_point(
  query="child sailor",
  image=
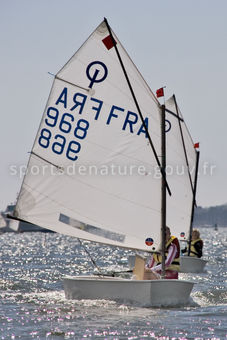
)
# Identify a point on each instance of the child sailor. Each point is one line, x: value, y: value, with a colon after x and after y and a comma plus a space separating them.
x: 172, y: 258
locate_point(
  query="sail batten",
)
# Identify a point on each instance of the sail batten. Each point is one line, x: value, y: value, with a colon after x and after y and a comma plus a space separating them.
x: 76, y: 85
x: 46, y: 161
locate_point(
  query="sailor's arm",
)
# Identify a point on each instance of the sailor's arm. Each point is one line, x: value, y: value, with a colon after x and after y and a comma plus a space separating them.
x: 150, y: 263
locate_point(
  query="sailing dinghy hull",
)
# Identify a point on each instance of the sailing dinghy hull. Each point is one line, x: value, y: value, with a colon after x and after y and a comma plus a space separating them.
x: 145, y: 292
x: 189, y: 264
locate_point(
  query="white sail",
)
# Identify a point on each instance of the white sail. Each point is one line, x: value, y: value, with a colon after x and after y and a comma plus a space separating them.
x: 91, y: 172
x: 181, y: 162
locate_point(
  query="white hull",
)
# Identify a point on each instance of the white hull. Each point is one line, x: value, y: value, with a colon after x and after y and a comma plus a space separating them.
x: 145, y: 293
x: 189, y: 264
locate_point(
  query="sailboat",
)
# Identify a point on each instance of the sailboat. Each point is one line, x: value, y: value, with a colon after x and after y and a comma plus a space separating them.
x: 185, y: 195
x: 100, y: 117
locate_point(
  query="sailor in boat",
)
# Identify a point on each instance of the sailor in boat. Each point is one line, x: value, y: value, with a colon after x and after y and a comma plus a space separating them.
x: 172, y: 258
x: 196, y: 248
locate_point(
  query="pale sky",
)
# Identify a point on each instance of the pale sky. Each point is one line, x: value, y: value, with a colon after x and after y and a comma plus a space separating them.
x: 179, y: 44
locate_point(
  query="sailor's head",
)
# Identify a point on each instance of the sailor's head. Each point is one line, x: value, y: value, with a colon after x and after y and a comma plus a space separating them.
x: 195, y: 234
x: 168, y: 233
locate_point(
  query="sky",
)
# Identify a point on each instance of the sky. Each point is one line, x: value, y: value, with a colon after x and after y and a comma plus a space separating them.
x: 179, y: 44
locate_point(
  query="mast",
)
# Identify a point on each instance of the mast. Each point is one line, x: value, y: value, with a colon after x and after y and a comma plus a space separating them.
x: 163, y: 188
x: 193, y: 201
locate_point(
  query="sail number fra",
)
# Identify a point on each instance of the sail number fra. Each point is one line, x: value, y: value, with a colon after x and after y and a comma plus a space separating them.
x: 61, y: 144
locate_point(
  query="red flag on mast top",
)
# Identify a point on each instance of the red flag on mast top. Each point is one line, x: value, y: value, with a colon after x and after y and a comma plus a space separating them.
x: 196, y: 145
x: 160, y: 92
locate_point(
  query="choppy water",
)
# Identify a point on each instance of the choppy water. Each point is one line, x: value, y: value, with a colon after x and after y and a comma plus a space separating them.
x: 33, y: 305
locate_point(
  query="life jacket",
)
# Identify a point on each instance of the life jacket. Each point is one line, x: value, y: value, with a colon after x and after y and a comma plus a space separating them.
x: 193, y: 251
x: 175, y: 265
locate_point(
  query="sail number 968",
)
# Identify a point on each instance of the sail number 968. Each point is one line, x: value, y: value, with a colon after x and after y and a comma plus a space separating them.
x: 61, y: 144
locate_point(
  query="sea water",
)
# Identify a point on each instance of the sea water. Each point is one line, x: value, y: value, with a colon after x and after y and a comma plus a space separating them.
x: 33, y: 305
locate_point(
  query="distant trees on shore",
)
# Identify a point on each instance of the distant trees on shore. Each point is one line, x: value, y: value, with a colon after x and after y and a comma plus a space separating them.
x: 211, y: 216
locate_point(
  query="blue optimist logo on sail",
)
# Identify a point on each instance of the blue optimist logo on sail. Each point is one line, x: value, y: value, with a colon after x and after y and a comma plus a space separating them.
x: 94, y: 76
x: 167, y: 125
